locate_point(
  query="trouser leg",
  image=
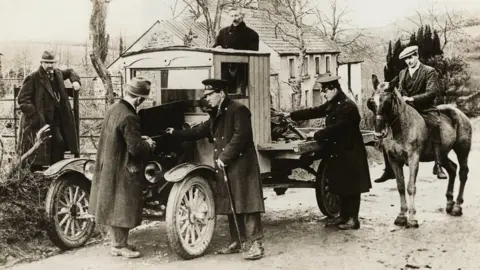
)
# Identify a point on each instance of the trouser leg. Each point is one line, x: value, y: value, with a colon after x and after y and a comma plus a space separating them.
x: 253, y: 226
x: 119, y: 236
x: 354, y: 205
x: 432, y: 119
x: 233, y: 230
x: 57, y: 145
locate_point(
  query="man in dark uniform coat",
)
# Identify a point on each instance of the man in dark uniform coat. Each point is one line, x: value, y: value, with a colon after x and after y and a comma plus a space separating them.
x: 418, y: 84
x: 43, y: 100
x: 342, y: 149
x: 230, y: 129
x: 116, y: 197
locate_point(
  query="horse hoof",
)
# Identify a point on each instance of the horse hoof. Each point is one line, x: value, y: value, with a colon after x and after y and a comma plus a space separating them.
x: 400, y: 221
x: 449, y: 208
x: 457, y: 211
x: 412, y: 224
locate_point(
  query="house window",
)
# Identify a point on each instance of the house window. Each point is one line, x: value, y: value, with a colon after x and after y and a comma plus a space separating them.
x: 317, y: 65
x: 291, y: 67
x: 327, y: 64
x: 305, y: 66
x: 306, y: 98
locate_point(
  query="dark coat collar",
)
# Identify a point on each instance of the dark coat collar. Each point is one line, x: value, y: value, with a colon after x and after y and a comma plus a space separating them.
x: 337, y: 100
x: 129, y: 106
x: 241, y: 25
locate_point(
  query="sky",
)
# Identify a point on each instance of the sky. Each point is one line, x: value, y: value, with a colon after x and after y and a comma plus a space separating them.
x: 47, y: 20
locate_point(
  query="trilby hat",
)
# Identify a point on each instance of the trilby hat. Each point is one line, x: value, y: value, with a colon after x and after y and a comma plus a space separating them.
x: 48, y: 57
x: 139, y: 87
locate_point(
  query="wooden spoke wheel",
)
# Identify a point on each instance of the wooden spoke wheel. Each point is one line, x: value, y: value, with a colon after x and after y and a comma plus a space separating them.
x: 328, y: 202
x: 190, y: 217
x: 68, y: 223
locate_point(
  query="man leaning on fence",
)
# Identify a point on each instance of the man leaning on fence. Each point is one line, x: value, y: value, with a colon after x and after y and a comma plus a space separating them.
x: 43, y: 100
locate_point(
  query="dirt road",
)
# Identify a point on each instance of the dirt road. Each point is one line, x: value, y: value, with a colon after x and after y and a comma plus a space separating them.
x: 296, y: 239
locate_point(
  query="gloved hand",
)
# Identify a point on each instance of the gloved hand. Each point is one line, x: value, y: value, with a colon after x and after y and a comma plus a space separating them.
x: 76, y: 86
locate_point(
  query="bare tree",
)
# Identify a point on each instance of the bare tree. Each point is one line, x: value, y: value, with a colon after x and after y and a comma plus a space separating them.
x: 287, y: 16
x: 100, y: 39
x: 333, y: 23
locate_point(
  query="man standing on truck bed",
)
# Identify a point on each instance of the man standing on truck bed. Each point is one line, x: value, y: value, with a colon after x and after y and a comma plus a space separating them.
x: 237, y: 36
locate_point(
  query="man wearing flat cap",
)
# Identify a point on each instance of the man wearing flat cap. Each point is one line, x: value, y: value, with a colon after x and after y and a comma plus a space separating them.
x: 116, y: 197
x: 43, y: 100
x: 343, y: 150
x: 418, y: 84
x: 230, y: 129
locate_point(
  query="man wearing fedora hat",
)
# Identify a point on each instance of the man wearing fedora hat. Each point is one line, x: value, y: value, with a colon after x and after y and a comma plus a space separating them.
x: 230, y: 129
x: 116, y: 193
x: 343, y: 150
x: 43, y: 100
x: 418, y: 84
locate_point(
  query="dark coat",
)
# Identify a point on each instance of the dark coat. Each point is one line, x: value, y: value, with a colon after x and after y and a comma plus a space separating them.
x: 37, y: 103
x: 342, y: 144
x: 422, y: 87
x: 116, y: 197
x: 240, y: 37
x: 231, y: 132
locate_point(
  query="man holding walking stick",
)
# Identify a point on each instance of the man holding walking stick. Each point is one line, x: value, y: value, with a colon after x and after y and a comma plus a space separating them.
x: 238, y: 184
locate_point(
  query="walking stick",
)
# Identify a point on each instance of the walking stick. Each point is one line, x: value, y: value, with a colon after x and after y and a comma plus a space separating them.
x: 232, y: 205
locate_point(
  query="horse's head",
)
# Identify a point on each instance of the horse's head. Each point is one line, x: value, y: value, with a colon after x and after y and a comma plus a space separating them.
x: 383, y: 104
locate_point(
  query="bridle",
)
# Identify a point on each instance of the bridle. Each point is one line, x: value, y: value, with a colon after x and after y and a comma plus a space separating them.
x: 393, y: 110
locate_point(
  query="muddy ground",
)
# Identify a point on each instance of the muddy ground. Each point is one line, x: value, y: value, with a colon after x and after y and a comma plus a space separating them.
x: 295, y: 237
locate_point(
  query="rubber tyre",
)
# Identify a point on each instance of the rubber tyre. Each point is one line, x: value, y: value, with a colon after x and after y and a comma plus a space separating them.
x: 328, y: 202
x: 52, y: 204
x: 174, y: 209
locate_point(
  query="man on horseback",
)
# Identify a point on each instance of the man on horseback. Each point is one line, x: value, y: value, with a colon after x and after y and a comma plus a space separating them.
x: 418, y: 84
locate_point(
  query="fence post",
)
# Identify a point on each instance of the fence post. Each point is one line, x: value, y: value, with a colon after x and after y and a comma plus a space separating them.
x: 16, y: 90
x: 76, y: 115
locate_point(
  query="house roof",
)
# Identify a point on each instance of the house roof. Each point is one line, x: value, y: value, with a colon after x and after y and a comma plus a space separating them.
x: 273, y: 30
x: 349, y: 57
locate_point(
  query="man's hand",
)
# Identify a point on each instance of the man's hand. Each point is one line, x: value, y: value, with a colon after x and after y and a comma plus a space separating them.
x: 76, y: 86
x: 407, y: 99
x: 150, y: 142
x: 218, y: 47
x: 221, y: 164
x: 169, y: 130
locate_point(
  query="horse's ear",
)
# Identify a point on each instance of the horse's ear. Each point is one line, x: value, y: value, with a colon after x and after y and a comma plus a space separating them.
x: 375, y: 81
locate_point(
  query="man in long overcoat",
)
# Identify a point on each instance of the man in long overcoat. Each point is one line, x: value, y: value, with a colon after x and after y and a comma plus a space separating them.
x: 342, y: 148
x: 230, y: 129
x: 116, y: 197
x: 418, y: 84
x: 43, y: 100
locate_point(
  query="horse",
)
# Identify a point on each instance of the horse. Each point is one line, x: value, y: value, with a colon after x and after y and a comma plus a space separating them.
x: 404, y: 136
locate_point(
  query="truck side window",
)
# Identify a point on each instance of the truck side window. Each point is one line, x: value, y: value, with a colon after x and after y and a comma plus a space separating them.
x: 237, y: 76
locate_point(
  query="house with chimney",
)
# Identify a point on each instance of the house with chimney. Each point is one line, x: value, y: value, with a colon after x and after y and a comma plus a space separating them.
x: 323, y: 56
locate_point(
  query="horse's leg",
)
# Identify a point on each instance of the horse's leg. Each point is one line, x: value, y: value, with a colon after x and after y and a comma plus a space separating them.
x: 397, y: 168
x: 451, y: 169
x: 463, y: 175
x: 413, y: 162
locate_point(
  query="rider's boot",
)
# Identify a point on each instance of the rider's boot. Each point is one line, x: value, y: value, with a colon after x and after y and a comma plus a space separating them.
x: 387, y: 173
x: 438, y: 161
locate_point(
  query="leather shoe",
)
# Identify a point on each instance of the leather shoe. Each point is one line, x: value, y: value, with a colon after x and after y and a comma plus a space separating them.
x: 351, y: 224
x: 439, y: 172
x: 124, y: 252
x: 387, y: 175
x: 234, y: 247
x: 255, y: 252
x: 336, y: 221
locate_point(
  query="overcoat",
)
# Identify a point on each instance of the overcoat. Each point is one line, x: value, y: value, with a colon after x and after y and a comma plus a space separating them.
x: 116, y: 197
x: 37, y: 103
x: 342, y: 144
x: 422, y: 87
x: 239, y: 37
x: 230, y: 130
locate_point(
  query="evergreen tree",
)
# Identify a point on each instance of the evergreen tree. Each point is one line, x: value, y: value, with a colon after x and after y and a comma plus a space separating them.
x: 427, y: 44
x: 413, y: 40
x: 436, y: 47
x: 389, y: 53
x: 120, y: 46
x: 420, y: 40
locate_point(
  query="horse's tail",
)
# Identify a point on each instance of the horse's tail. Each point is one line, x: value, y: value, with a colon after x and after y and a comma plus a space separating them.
x: 460, y: 123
